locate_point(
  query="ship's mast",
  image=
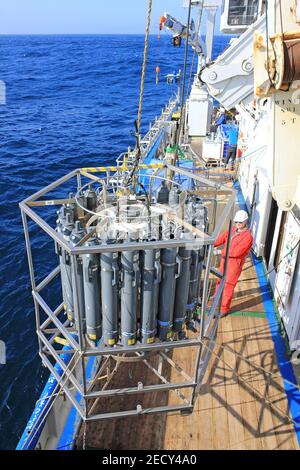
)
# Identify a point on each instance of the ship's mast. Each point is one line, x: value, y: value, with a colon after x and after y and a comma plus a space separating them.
x: 199, y: 105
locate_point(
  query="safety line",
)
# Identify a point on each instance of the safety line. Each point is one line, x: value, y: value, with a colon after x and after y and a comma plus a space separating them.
x: 249, y: 314
x: 245, y: 314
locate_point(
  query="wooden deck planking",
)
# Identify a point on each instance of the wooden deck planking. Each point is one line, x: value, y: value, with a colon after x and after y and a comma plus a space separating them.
x: 203, y: 408
x: 282, y: 425
x: 218, y: 391
x: 245, y: 371
x: 263, y: 409
x: 233, y: 397
x: 285, y: 435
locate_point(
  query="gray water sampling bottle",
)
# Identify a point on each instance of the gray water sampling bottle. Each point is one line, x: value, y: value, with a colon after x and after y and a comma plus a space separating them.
x: 82, y: 204
x: 182, y: 287
x: 71, y: 206
x: 109, y: 297
x: 61, y: 215
x: 130, y: 279
x: 92, y: 292
x: 150, y: 279
x: 193, y: 285
x: 77, y: 235
x: 91, y: 199
x: 65, y: 225
x: 170, y: 263
x: 174, y: 197
x: 163, y: 193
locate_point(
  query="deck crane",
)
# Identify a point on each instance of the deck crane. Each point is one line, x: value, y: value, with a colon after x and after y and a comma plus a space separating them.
x: 200, y: 104
x: 181, y: 31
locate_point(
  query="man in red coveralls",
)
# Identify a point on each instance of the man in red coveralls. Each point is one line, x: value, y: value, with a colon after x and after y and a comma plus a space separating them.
x: 241, y: 243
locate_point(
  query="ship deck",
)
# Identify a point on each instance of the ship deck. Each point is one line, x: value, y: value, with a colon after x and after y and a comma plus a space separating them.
x: 242, y: 403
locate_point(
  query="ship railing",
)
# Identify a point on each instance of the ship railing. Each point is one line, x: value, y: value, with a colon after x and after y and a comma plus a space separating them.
x: 150, y: 138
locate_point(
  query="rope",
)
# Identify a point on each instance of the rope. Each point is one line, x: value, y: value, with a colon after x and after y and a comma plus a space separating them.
x: 126, y: 359
x: 144, y: 67
x: 183, y: 81
x: 244, y: 157
x: 137, y: 123
x: 194, y: 55
x: 191, y: 71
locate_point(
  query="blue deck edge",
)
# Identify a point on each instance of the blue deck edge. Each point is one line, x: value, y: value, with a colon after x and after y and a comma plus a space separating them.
x: 35, y: 425
x: 285, y: 366
x: 69, y: 434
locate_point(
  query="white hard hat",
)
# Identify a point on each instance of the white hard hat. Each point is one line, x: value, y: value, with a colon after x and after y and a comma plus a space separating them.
x: 241, y: 216
x: 222, y: 109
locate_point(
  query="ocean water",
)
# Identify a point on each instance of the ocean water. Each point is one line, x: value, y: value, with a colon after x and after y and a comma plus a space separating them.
x: 71, y: 101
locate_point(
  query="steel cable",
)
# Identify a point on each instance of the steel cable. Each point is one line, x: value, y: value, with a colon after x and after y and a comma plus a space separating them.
x: 194, y: 55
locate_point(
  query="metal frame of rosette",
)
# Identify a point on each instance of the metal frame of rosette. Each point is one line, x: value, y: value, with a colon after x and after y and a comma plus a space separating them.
x: 75, y: 383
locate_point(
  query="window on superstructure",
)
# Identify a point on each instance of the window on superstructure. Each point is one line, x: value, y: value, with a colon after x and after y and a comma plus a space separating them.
x: 242, y: 12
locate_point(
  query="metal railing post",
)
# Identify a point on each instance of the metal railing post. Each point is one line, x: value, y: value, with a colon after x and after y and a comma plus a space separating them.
x: 32, y: 276
x: 81, y: 339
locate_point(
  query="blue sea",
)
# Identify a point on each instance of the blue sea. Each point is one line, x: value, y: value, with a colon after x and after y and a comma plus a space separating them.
x: 71, y: 101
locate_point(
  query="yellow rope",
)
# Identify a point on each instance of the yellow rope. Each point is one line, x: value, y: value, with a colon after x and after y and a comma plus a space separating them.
x: 144, y: 67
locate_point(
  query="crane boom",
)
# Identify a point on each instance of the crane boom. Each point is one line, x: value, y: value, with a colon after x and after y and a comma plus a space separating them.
x: 180, y: 30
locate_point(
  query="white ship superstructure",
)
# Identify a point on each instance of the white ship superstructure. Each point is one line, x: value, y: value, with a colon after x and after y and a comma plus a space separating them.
x: 270, y: 167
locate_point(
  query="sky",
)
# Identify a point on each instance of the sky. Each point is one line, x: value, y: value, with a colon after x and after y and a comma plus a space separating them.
x: 83, y: 16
